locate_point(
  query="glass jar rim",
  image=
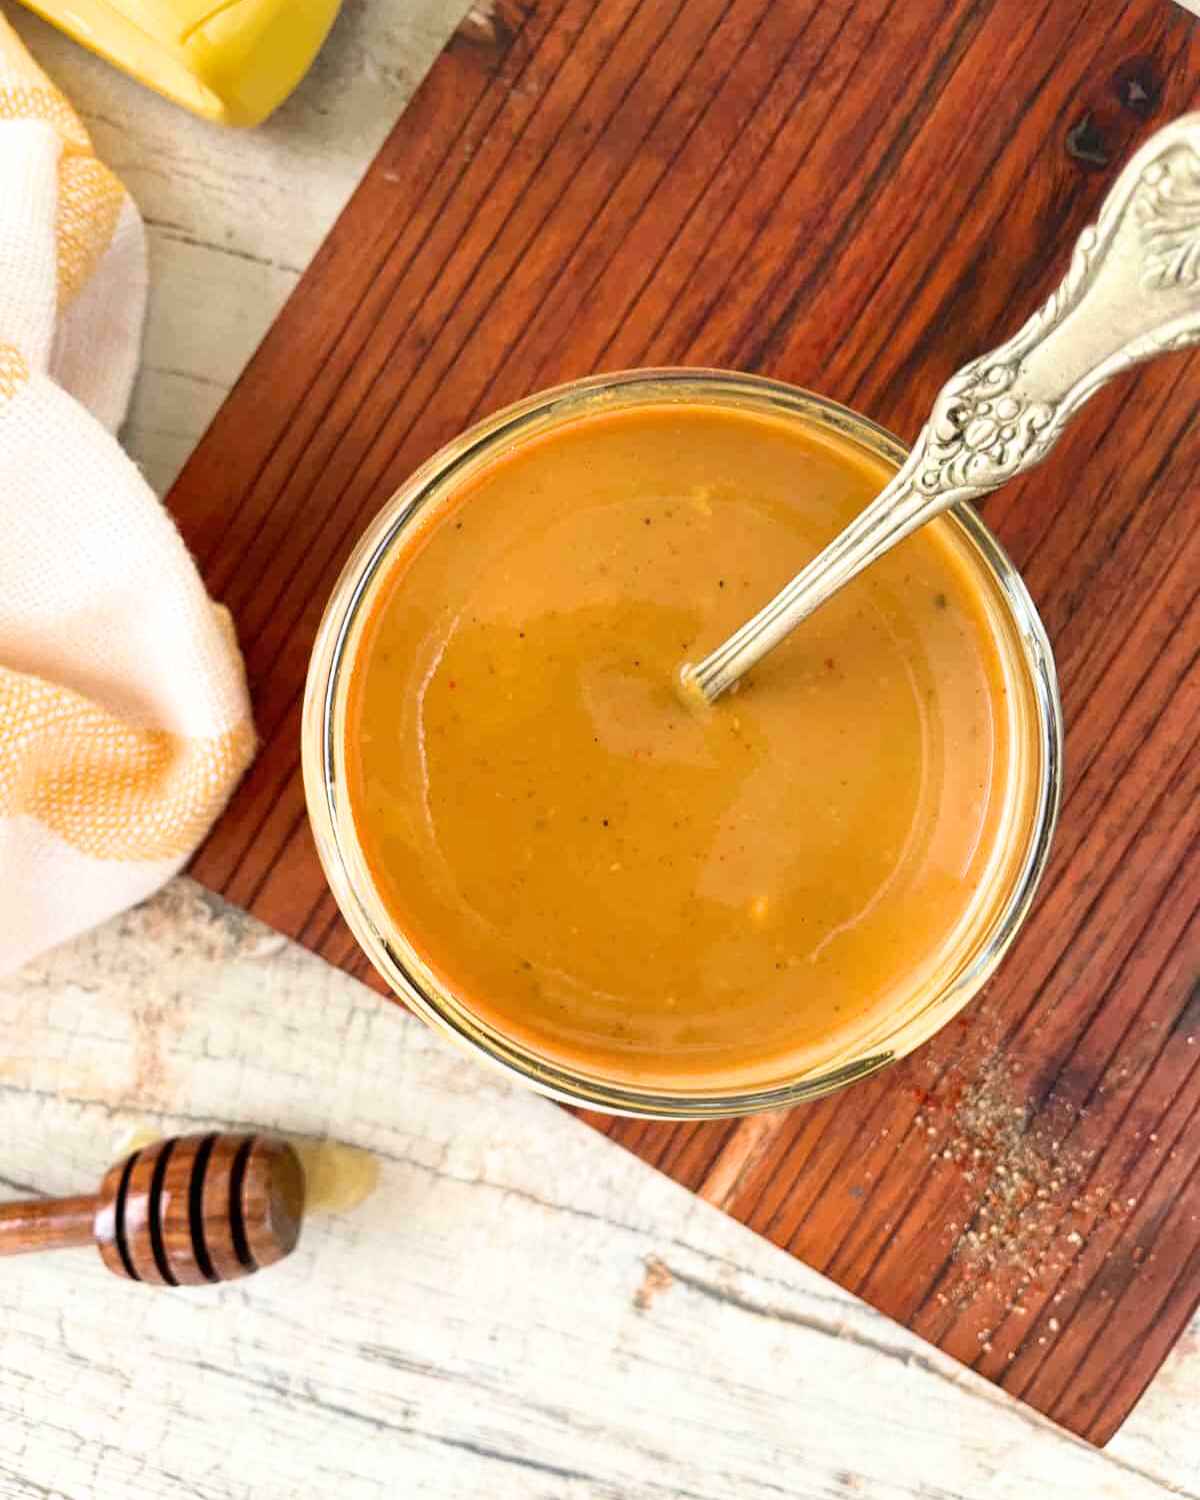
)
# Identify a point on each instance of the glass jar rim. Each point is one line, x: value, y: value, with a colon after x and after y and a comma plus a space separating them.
x: 321, y: 742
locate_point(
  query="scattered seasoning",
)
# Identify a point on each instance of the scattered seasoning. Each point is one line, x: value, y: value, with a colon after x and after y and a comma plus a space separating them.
x: 1032, y: 1201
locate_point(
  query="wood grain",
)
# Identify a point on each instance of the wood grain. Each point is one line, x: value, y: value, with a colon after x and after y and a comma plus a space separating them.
x: 195, y: 1209
x: 189, y: 1160
x: 854, y: 196
x: 229, y: 1258
x: 144, y: 1255
x: 272, y: 1201
x: 657, y: 1351
x: 46, y: 1224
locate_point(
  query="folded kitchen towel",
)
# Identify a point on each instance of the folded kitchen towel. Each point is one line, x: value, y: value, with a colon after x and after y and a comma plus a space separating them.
x: 124, y: 720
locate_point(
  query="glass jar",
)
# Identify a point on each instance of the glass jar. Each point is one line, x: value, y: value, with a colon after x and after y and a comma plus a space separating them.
x: 1032, y: 699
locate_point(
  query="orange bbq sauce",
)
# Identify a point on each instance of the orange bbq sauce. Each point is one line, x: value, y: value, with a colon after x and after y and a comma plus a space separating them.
x: 656, y: 894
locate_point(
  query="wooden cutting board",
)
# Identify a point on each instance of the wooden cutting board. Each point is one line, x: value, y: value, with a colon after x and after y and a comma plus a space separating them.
x: 854, y: 195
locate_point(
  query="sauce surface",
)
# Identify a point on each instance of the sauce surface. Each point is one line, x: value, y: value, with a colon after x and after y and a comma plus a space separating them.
x: 649, y: 892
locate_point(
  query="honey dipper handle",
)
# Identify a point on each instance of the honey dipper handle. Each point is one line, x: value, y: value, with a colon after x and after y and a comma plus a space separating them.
x: 47, y: 1224
x: 1132, y: 291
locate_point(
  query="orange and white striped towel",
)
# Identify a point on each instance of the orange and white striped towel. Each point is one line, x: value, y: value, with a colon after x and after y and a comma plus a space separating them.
x: 124, y: 720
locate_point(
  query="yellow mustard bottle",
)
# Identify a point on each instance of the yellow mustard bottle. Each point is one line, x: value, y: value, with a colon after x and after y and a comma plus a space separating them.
x: 228, y: 60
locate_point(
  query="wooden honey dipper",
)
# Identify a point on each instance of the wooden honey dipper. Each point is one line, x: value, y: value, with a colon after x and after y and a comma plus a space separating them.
x: 182, y: 1212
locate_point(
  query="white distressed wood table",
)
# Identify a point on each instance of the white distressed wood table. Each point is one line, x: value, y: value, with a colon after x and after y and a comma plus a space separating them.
x: 520, y: 1309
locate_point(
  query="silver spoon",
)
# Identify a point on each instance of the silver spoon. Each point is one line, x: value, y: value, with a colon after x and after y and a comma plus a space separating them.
x: 1132, y: 291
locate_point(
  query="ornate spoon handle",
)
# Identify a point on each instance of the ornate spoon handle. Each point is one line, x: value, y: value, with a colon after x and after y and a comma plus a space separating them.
x: 1132, y: 291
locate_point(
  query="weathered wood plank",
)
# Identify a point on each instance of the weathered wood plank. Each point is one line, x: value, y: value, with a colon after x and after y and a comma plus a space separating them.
x: 518, y: 1310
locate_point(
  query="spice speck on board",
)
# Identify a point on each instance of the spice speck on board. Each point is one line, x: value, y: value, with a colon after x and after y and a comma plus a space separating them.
x: 1031, y: 1196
